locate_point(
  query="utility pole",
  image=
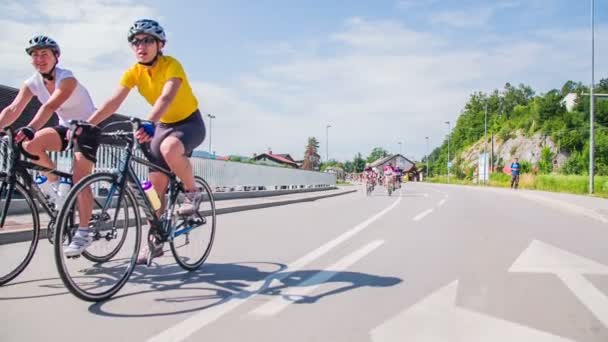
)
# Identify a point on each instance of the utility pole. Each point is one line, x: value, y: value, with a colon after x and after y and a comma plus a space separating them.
x: 428, y: 156
x: 592, y: 104
x: 449, y: 134
x: 327, y: 142
x: 485, y: 146
x: 211, y: 117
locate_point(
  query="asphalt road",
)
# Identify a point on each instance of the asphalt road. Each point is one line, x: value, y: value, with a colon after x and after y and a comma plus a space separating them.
x: 430, y: 263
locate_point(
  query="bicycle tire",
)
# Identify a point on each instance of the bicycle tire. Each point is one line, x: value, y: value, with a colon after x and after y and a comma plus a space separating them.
x: 201, y: 183
x: 9, y: 190
x: 62, y: 225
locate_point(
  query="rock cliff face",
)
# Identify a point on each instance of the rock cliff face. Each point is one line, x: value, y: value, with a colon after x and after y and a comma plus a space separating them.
x: 525, y: 148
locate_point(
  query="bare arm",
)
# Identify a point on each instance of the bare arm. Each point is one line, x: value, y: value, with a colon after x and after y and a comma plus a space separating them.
x: 14, y: 110
x: 166, y: 97
x: 110, y: 106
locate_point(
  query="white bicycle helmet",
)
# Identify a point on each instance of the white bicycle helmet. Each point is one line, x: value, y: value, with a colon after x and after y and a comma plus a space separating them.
x: 147, y: 26
x: 42, y: 42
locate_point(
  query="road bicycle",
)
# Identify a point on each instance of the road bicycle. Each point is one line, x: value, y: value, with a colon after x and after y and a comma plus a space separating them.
x: 390, y: 184
x: 19, y: 194
x: 369, y: 187
x: 121, y: 194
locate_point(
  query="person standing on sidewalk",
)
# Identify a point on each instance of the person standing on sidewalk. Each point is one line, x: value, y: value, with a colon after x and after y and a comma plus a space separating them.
x: 515, y: 170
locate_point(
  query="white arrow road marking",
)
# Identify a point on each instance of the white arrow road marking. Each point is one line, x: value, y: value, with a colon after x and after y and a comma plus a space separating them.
x: 436, y: 318
x: 311, y: 284
x: 422, y: 214
x: 192, y: 324
x: 541, y: 257
x: 442, y: 202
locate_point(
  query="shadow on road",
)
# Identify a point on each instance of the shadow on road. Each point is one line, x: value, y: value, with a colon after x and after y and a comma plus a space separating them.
x: 46, y: 283
x: 217, y: 284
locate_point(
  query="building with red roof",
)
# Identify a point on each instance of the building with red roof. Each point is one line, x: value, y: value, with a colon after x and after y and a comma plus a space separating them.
x: 270, y: 158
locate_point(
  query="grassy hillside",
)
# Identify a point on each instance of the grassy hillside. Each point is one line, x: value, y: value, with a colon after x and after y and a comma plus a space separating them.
x: 517, y: 111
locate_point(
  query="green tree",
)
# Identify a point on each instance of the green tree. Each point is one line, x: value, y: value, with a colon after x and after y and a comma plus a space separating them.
x: 330, y: 163
x: 377, y: 153
x: 311, y: 159
x: 572, y: 87
x: 359, y: 163
x: 550, y: 106
x: 349, y: 166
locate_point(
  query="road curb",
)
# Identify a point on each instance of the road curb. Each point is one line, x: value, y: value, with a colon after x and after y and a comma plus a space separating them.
x: 22, y: 235
x: 278, y: 203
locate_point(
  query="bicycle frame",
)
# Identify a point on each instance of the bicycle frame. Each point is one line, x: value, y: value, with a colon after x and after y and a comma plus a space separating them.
x: 18, y: 169
x: 126, y: 176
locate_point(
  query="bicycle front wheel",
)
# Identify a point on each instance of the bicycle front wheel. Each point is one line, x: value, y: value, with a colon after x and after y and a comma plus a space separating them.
x: 16, y: 255
x: 193, y: 236
x: 116, y: 230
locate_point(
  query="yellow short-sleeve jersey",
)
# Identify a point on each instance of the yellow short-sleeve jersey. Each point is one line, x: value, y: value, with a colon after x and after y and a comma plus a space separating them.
x: 150, y: 83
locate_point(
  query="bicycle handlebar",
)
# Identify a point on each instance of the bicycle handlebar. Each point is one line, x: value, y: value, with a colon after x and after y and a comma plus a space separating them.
x: 136, y: 124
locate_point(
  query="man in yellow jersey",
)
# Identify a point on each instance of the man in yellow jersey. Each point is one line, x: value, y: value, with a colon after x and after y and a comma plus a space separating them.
x: 161, y: 80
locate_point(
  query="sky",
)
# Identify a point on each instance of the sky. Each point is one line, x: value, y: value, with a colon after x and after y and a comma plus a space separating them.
x: 274, y: 73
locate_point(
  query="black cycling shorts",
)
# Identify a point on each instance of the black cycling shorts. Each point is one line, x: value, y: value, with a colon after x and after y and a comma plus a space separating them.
x: 87, y: 143
x: 190, y: 131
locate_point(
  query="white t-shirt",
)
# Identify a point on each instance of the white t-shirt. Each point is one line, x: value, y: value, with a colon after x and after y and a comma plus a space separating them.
x: 79, y: 106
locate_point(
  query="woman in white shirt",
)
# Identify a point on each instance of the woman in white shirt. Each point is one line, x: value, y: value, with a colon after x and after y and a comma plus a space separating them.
x: 59, y: 92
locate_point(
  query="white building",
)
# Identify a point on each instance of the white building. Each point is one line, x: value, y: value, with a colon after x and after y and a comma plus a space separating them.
x: 570, y: 101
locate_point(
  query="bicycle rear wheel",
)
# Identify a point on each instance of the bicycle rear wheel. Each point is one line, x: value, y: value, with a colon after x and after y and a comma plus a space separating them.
x: 109, y: 261
x: 193, y: 236
x: 16, y: 256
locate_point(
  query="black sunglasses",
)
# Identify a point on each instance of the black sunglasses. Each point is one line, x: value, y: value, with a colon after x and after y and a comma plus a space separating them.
x: 145, y: 41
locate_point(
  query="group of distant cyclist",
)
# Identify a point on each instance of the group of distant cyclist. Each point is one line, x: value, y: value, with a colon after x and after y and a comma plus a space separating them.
x: 389, y: 176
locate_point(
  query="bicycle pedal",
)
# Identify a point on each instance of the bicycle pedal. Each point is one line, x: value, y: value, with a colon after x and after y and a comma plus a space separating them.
x: 195, y: 221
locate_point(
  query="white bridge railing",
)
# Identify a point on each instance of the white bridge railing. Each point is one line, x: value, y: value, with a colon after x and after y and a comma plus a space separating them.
x: 222, y: 176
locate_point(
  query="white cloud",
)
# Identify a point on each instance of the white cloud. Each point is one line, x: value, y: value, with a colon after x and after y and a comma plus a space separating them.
x: 463, y: 18
x: 92, y: 36
x: 383, y: 36
x: 377, y: 88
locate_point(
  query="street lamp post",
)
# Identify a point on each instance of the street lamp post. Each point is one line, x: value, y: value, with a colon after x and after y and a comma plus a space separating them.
x: 400, y: 145
x: 327, y: 142
x: 428, y: 156
x: 592, y: 103
x: 211, y: 117
x: 485, y: 146
x: 449, y: 134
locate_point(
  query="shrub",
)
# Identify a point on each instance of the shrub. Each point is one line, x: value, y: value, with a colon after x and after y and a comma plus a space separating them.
x: 545, y: 164
x: 526, y: 166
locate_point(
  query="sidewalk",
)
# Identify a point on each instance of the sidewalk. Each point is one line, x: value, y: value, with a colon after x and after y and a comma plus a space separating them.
x: 593, y: 207
x: 16, y: 224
